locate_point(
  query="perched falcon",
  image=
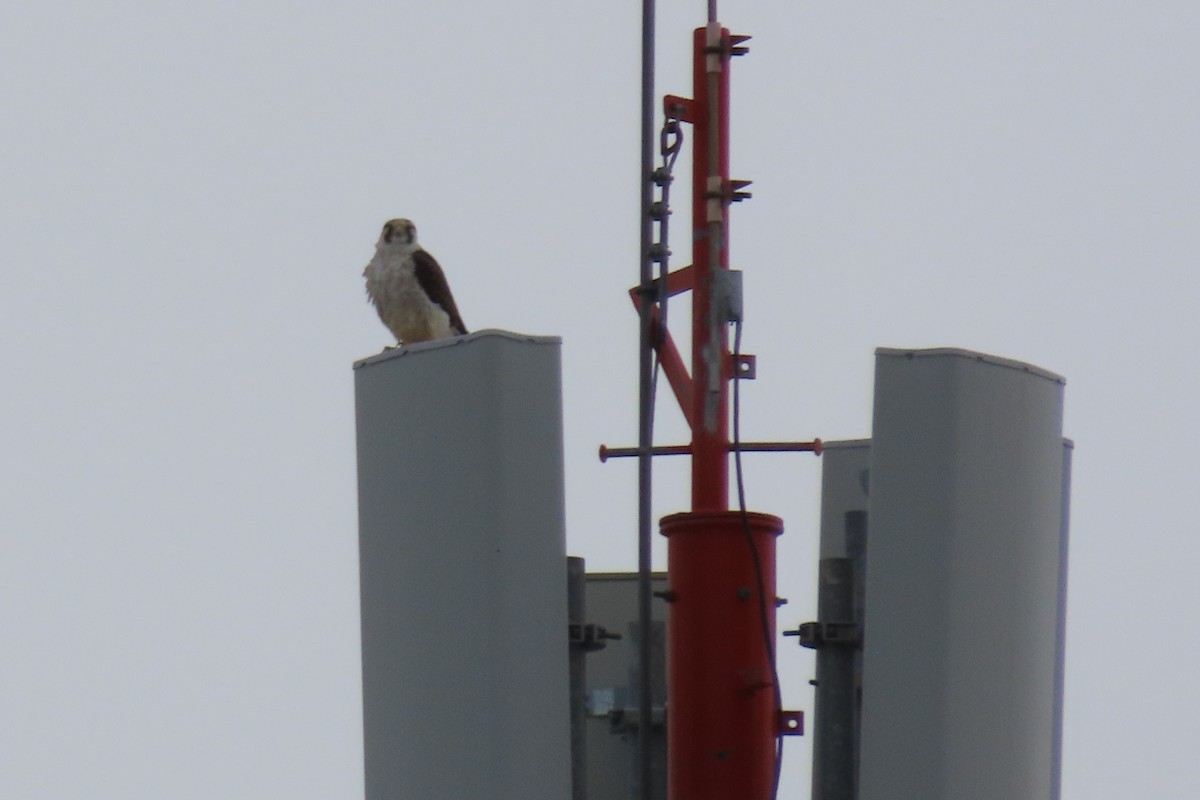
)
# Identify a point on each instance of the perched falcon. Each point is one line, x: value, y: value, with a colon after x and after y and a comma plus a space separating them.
x: 409, y: 289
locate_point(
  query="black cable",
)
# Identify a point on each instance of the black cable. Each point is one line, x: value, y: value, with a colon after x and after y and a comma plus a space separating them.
x: 764, y: 614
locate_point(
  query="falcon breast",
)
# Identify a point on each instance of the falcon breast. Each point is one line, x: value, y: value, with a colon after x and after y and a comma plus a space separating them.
x: 409, y: 289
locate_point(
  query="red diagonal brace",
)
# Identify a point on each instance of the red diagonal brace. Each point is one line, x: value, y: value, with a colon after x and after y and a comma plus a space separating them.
x: 668, y: 354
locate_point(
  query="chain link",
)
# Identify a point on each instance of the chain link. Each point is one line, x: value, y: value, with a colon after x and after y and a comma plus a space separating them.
x: 670, y: 140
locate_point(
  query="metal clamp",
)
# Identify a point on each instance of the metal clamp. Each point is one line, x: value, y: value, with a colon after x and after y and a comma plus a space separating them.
x: 588, y: 637
x: 815, y: 635
x: 627, y: 720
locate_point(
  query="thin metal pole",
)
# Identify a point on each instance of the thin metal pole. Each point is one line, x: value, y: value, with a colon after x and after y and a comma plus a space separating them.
x: 857, y: 531
x: 815, y: 446
x: 646, y: 414
x: 577, y: 664
x: 833, y: 736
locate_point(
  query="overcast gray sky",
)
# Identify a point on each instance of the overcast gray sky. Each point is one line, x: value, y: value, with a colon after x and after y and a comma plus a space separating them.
x: 189, y: 194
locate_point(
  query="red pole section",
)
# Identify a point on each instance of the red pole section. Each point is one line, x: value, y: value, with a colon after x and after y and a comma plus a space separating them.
x: 710, y: 252
x: 722, y: 719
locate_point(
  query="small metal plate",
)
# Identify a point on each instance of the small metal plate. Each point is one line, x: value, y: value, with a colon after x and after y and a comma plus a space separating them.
x: 745, y: 367
x: 791, y: 723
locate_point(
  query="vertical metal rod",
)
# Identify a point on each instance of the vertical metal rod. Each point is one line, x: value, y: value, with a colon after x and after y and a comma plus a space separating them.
x: 857, y: 531
x: 646, y: 411
x: 833, y: 735
x: 1061, y: 644
x: 577, y: 664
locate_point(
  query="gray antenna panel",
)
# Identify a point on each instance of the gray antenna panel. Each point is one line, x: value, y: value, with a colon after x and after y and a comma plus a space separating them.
x: 845, y: 479
x: 965, y: 590
x: 463, y: 570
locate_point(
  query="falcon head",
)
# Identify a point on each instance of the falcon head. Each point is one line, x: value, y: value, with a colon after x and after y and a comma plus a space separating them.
x: 399, y: 232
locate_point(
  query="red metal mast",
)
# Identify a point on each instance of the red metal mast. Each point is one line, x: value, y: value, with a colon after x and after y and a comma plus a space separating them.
x: 724, y: 717
x: 710, y: 251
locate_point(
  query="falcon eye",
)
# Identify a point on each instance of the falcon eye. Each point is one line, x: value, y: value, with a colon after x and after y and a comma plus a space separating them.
x: 387, y: 233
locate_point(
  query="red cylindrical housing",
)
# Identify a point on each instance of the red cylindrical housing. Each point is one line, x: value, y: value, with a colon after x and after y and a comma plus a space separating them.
x: 722, y: 718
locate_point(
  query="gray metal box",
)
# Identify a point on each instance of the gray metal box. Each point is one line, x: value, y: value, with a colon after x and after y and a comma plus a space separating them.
x: 612, y: 688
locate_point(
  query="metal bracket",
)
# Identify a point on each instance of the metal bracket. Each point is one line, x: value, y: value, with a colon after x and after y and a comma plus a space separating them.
x: 734, y: 193
x: 791, y: 723
x: 588, y: 637
x: 745, y: 367
x: 816, y: 635
x: 680, y: 108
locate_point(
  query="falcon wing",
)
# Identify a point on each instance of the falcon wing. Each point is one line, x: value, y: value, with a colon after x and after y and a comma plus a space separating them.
x: 433, y: 283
